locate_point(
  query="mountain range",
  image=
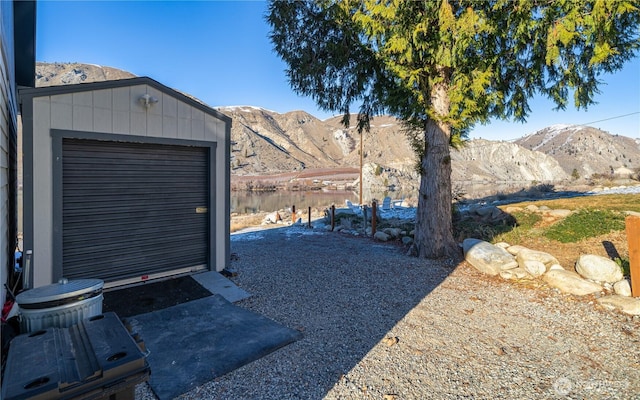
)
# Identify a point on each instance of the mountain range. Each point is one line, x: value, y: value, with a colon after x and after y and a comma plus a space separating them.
x: 297, y: 146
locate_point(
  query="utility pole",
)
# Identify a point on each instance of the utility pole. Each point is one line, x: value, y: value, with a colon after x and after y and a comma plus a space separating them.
x: 361, y: 158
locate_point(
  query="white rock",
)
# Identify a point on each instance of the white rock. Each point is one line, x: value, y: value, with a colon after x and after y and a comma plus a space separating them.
x: 534, y: 267
x: 504, y: 245
x: 570, y: 282
x: 272, y: 218
x: 598, y: 268
x: 392, y: 232
x: 534, y: 255
x: 622, y: 288
x: 486, y: 257
x: 556, y: 266
x: 627, y: 305
x: 559, y: 213
x: 516, y: 273
x: 515, y: 249
x: 532, y: 208
x: 381, y: 236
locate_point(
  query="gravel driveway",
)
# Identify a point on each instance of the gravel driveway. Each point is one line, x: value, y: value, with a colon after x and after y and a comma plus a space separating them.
x: 381, y: 325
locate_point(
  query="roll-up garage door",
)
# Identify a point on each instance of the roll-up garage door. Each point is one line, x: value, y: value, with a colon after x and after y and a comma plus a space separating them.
x: 133, y: 210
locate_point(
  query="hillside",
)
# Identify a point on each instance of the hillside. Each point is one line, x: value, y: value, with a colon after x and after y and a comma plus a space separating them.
x: 585, y: 149
x: 298, y: 149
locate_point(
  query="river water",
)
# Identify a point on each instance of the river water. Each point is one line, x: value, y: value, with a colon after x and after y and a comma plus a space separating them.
x: 252, y: 202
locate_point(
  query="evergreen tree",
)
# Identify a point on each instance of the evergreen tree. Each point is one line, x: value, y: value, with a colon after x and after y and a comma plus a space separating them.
x: 442, y: 66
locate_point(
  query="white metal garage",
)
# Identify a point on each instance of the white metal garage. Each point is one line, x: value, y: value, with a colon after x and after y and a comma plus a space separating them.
x: 129, y: 181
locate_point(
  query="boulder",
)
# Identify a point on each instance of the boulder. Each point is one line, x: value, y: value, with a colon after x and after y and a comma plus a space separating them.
x: 381, y: 236
x: 534, y: 267
x: 272, y: 218
x: 570, y: 282
x: 525, y: 255
x: 598, y: 268
x: 559, y: 213
x: 392, y: 232
x: 407, y: 240
x: 627, y: 305
x: 516, y: 273
x: 489, y: 212
x: 515, y: 249
x: 486, y: 257
x: 622, y: 288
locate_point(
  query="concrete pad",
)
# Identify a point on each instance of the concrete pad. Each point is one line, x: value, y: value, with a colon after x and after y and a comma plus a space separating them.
x: 214, y: 282
x: 195, y: 342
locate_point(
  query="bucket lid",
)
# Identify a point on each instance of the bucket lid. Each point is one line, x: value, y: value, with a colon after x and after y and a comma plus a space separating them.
x: 57, y: 291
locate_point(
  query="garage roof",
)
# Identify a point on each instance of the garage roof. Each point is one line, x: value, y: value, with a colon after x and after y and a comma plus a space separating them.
x: 83, y: 87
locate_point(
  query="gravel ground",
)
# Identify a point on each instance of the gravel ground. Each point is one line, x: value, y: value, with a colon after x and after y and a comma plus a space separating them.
x: 378, y: 324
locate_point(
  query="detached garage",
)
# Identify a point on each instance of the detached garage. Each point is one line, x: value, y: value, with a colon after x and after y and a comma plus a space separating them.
x: 124, y: 181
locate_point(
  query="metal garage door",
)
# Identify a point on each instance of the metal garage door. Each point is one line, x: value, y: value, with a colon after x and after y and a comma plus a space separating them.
x: 131, y: 211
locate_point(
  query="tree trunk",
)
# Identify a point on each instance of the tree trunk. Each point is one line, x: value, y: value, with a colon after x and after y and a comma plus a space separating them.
x: 434, y: 226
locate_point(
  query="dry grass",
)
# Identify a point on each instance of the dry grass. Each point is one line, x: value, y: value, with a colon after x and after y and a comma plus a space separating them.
x: 613, y: 202
x: 239, y: 222
x: 612, y: 245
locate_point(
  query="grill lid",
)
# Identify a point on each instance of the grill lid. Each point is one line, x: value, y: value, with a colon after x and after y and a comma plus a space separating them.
x: 58, y: 291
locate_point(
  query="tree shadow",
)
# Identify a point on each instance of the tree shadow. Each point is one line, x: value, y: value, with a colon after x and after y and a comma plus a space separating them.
x: 611, y: 250
x: 344, y: 292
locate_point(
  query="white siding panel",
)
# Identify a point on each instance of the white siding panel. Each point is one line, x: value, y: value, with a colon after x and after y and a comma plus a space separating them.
x: 82, y: 118
x: 184, y: 110
x: 121, y: 122
x: 211, y: 129
x: 83, y: 99
x: 184, y: 128
x: 102, y: 120
x: 103, y: 98
x: 197, y: 129
x: 121, y: 99
x: 62, y: 98
x: 197, y: 114
x: 169, y: 127
x: 169, y: 106
x: 61, y: 115
x: 138, y: 124
x: 154, y: 125
x: 157, y: 108
x: 42, y: 193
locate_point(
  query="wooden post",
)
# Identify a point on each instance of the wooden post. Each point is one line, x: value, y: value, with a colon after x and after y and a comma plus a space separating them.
x: 374, y: 211
x: 309, y: 217
x: 633, y: 239
x: 333, y: 216
x: 364, y: 219
x: 293, y: 214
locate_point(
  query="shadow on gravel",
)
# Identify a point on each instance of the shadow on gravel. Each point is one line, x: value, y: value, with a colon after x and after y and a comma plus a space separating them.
x: 344, y: 293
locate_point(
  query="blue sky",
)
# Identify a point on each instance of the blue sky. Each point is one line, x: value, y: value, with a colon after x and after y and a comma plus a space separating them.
x: 219, y: 52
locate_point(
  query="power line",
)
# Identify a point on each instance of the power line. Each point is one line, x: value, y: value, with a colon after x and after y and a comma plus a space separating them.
x: 584, y: 124
x: 608, y: 119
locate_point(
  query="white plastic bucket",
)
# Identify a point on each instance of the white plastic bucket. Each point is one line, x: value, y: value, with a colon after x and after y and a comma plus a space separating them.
x: 59, y: 305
